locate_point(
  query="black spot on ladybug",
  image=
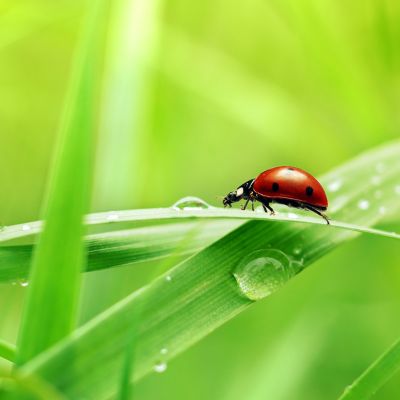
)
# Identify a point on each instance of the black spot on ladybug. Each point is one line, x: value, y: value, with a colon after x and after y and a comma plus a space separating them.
x: 275, y: 187
x: 309, y: 191
x: 290, y: 169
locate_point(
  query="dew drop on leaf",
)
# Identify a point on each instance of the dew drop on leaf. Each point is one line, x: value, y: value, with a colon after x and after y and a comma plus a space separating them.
x: 23, y: 282
x: 112, y: 216
x: 363, y: 204
x: 262, y: 272
x: 160, y: 367
x: 26, y: 227
x: 164, y: 351
x: 297, y: 250
x: 168, y: 278
x: 190, y: 203
x: 335, y: 186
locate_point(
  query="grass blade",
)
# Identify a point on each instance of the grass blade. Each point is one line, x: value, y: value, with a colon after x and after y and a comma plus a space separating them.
x: 7, y: 351
x: 117, y: 248
x: 202, y: 292
x: 375, y: 376
x: 55, y: 275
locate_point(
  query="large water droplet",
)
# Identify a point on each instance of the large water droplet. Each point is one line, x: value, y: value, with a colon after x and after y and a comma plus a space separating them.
x: 262, y: 272
x: 160, y: 366
x: 335, y: 185
x: 363, y: 204
x: 190, y: 203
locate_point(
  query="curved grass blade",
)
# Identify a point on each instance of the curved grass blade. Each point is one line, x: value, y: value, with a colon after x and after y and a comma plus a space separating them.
x: 375, y: 376
x: 55, y: 276
x: 202, y: 293
x: 117, y: 248
x: 7, y: 351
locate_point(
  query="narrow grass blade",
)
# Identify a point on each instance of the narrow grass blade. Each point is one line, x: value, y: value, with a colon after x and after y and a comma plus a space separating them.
x: 131, y: 47
x: 55, y: 276
x: 205, y: 291
x: 375, y: 376
x: 117, y: 248
x: 7, y: 351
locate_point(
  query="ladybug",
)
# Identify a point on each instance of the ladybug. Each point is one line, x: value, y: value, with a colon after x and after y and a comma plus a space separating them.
x: 284, y: 185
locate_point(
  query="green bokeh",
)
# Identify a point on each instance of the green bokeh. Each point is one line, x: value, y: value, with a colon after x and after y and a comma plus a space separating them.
x: 235, y: 88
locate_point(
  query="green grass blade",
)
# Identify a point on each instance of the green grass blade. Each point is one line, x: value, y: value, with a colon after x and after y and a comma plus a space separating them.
x: 375, y: 376
x: 7, y: 351
x: 117, y: 248
x: 131, y: 48
x: 55, y: 276
x: 201, y: 293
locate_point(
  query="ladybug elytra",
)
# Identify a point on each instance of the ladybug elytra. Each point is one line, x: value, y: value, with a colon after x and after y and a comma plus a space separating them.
x: 285, y: 185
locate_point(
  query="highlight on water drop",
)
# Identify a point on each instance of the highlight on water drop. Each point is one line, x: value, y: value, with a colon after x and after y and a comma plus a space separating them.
x: 160, y: 367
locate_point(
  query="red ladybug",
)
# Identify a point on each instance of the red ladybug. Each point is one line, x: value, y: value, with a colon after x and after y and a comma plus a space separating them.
x: 285, y: 185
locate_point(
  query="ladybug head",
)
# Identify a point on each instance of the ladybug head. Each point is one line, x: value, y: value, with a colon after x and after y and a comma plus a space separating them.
x: 242, y: 192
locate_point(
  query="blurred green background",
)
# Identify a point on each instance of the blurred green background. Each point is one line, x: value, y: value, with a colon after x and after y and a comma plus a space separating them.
x: 223, y: 90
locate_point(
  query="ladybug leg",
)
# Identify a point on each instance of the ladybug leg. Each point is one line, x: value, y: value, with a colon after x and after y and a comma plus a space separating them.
x: 245, y: 204
x: 266, y: 207
x: 318, y: 212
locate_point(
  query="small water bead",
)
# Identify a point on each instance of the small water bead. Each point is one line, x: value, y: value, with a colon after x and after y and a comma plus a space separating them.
x: 335, y: 185
x: 112, y: 217
x: 363, y: 204
x: 168, y: 278
x: 164, y: 351
x: 160, y: 367
x: 26, y: 227
x: 191, y: 203
x: 297, y: 250
x: 23, y: 282
x: 262, y: 272
x: 292, y: 215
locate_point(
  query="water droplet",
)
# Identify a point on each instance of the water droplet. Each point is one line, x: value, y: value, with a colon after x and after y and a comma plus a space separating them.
x: 335, y: 185
x: 292, y: 215
x: 262, y: 272
x: 380, y: 167
x: 376, y: 180
x: 112, y: 216
x: 382, y: 210
x: 23, y: 282
x: 168, y: 278
x: 297, y: 250
x: 26, y: 227
x: 397, y: 189
x: 191, y: 203
x: 363, y: 204
x: 160, y: 367
x: 164, y: 351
